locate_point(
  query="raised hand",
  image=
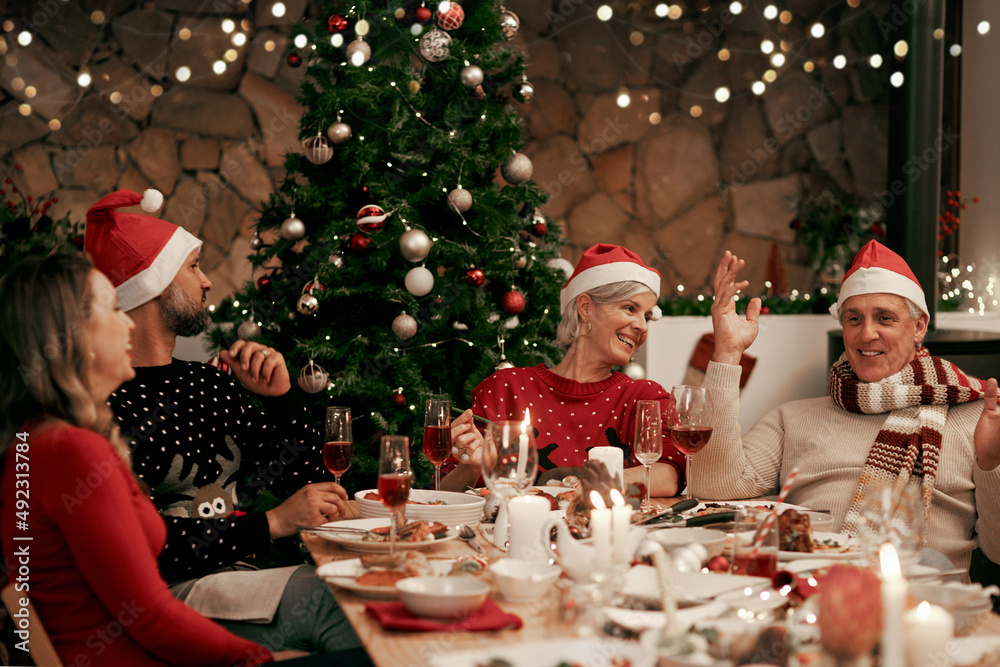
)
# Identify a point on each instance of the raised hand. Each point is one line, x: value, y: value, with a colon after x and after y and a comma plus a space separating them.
x: 733, y: 334
x: 987, y: 433
x: 313, y: 504
x: 261, y: 369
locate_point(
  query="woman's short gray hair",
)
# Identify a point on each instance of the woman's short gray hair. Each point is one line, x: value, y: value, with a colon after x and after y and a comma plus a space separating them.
x: 569, y: 326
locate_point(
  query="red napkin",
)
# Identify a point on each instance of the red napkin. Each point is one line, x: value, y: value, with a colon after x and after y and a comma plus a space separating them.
x: 394, y: 616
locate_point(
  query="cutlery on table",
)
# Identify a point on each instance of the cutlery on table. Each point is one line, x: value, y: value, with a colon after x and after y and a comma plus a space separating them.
x: 935, y: 575
x: 467, y: 535
x: 669, y: 512
x: 330, y: 529
x: 703, y: 520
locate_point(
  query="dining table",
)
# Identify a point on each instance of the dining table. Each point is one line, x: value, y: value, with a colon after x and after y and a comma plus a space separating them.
x: 543, y: 620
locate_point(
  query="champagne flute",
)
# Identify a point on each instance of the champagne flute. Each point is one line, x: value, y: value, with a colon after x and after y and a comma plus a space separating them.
x: 338, y: 450
x: 509, y: 458
x: 690, y: 417
x: 437, y: 434
x: 648, y: 444
x: 394, y: 479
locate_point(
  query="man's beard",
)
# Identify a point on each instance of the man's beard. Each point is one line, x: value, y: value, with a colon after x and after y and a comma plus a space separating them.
x: 181, y: 314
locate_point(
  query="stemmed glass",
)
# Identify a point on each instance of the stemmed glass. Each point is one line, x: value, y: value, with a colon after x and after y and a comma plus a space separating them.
x: 338, y: 450
x: 648, y: 443
x: 394, y: 479
x: 437, y: 434
x: 690, y: 421
x: 509, y: 458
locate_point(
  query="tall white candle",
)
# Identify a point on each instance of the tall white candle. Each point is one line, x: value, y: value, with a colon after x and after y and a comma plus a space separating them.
x: 621, y: 522
x: 600, y: 531
x: 522, y: 446
x: 894, y: 589
x: 928, y: 630
x: 528, y: 516
x: 613, y: 459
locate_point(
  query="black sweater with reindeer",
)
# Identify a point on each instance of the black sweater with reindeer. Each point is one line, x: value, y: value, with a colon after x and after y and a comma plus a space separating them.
x: 205, y: 451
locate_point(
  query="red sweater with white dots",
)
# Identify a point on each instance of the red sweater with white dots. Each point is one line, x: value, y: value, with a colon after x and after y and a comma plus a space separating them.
x: 571, y: 417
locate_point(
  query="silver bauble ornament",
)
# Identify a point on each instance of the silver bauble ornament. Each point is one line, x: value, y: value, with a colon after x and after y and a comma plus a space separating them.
x: 248, y: 330
x: 435, y: 45
x: 460, y: 200
x: 520, y: 261
x: 317, y: 149
x: 312, y: 378
x: 336, y: 260
x: 404, y: 326
x: 415, y: 245
x: 308, y: 304
x: 358, y: 52
x: 293, y: 229
x: 524, y: 92
x: 516, y: 169
x: 339, y: 132
x: 503, y: 364
x: 509, y: 24
x: 256, y: 243
x: 472, y: 76
x: 419, y: 281
x: 560, y: 264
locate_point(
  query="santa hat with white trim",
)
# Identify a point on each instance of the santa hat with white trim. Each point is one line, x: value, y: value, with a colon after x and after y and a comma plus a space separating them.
x: 604, y: 264
x: 878, y: 270
x: 139, y: 254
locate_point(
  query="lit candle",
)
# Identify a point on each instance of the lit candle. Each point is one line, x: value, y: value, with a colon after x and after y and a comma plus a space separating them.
x: 928, y: 630
x: 528, y: 515
x: 612, y: 458
x: 621, y: 522
x: 600, y: 531
x: 894, y: 589
x: 522, y: 446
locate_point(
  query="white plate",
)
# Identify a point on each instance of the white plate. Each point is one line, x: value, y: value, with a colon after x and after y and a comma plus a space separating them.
x: 729, y: 504
x: 353, y: 542
x: 843, y: 547
x: 587, y: 652
x: 806, y: 565
x: 638, y: 620
x: 458, y: 507
x: 641, y: 581
x: 714, y: 541
x: 344, y: 573
x: 752, y: 599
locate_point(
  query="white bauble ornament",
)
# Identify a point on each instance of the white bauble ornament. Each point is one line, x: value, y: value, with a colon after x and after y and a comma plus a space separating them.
x: 459, y: 326
x: 635, y: 371
x: 435, y: 45
x: 404, y: 326
x: 317, y: 149
x: 312, y: 378
x: 293, y: 229
x: 248, y: 330
x: 419, y: 281
x: 414, y: 245
x: 308, y: 304
x: 460, y: 200
x: 358, y: 52
x: 509, y: 24
x: 516, y: 169
x: 560, y: 264
x: 472, y: 76
x: 336, y: 260
x: 339, y: 132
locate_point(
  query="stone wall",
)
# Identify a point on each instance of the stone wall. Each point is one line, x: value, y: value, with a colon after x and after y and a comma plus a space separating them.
x: 675, y: 187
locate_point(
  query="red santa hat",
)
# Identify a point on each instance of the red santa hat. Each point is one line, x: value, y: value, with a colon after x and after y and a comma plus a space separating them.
x: 138, y: 253
x: 604, y: 264
x: 878, y: 270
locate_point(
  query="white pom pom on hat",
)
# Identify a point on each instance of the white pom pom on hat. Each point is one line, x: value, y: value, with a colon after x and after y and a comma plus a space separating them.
x: 152, y: 200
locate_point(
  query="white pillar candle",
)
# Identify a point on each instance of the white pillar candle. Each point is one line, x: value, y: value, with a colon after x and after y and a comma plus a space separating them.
x: 621, y: 522
x: 894, y: 590
x: 613, y: 459
x: 600, y: 531
x: 928, y: 630
x: 528, y: 516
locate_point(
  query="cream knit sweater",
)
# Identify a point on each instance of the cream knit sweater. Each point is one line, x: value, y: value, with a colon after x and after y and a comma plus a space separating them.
x: 829, y: 446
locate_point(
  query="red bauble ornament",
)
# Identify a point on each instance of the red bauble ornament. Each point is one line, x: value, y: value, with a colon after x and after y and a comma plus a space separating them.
x: 452, y: 16
x: 336, y: 23
x: 399, y: 400
x: 294, y: 60
x: 264, y: 284
x: 371, y: 218
x: 512, y: 302
x: 539, y: 229
x: 423, y: 15
x: 475, y: 277
x: 360, y: 242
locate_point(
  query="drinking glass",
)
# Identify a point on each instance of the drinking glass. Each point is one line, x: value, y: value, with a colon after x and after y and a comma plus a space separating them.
x: 755, y: 546
x: 648, y: 443
x: 437, y: 434
x: 394, y: 479
x: 509, y: 459
x: 891, y: 514
x: 690, y: 417
x: 338, y: 450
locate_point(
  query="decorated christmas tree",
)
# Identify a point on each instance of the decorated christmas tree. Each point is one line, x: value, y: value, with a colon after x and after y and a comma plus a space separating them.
x: 404, y: 254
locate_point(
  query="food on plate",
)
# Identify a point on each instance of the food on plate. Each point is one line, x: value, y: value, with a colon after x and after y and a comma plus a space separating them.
x: 414, y: 531
x: 373, y: 495
x: 469, y: 565
x: 718, y: 508
x: 795, y: 531
x: 385, y: 569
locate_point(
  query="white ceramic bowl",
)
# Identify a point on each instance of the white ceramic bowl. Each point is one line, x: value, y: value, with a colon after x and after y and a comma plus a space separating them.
x: 442, y: 597
x: 522, y: 580
x: 458, y: 507
x: 714, y: 541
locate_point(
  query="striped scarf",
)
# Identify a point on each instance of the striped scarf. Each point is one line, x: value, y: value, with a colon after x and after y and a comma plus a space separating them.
x: 908, y: 447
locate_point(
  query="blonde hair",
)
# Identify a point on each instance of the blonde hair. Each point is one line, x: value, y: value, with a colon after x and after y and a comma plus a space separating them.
x: 44, y: 351
x: 569, y: 326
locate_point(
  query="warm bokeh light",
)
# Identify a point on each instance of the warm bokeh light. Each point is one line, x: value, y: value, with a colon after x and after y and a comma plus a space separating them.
x: 24, y: 38
x: 655, y: 118
x: 736, y: 7
x: 983, y: 27
x: 115, y: 97
x: 231, y: 55
x: 875, y: 61
x: 30, y: 92
x: 228, y: 25
x: 623, y: 99
x: 83, y: 78
x: 278, y: 9
x: 25, y: 109
x: 896, y: 79
x: 55, y: 124
x: 269, y: 45
x: 901, y: 48
x: 97, y: 17
x: 300, y: 41
x: 361, y: 28
x: 767, y: 46
x: 758, y: 87
x: 955, y: 50
x: 184, y: 34
x: 724, y: 55
x: 840, y: 61
x: 785, y: 17
x: 770, y: 12
x: 604, y: 13
x: 770, y: 75
x: 661, y: 10
x: 239, y: 39
x: 182, y: 74
x: 636, y: 38
x: 695, y: 111
x: 675, y: 12
x: 808, y: 66
x: 817, y: 30
x: 778, y: 60
x: 219, y: 67
x: 17, y: 83
x: 721, y: 94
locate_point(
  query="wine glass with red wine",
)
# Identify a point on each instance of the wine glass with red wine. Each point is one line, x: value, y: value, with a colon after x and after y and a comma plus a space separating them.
x: 437, y: 434
x: 394, y: 479
x: 338, y: 448
x: 647, y: 445
x: 690, y: 417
